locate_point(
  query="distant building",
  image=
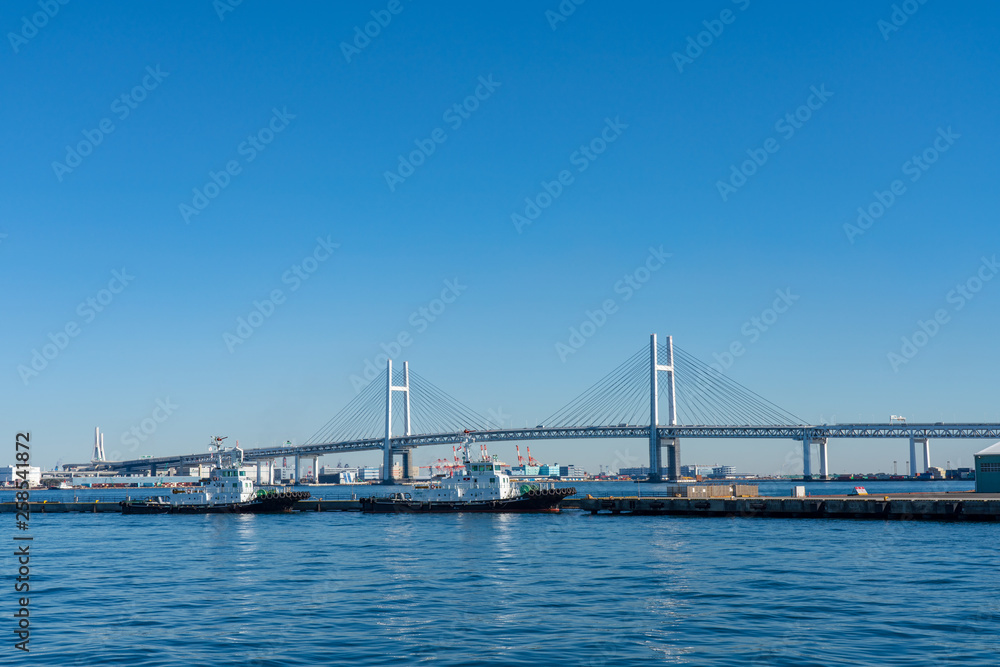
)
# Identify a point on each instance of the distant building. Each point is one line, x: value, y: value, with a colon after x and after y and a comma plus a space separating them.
x: 369, y: 474
x: 330, y: 475
x: 695, y: 470
x: 988, y: 470
x: 641, y: 471
x: 8, y: 475
x: 197, y: 470
x: 723, y: 471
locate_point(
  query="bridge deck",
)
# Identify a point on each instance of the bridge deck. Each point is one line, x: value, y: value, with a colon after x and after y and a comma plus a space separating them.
x: 794, y: 432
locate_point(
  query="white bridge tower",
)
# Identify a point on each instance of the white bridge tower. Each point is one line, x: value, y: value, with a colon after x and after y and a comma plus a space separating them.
x: 673, y: 445
x: 387, y: 453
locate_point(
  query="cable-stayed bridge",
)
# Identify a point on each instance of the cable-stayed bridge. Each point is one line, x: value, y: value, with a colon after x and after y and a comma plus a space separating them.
x: 401, y: 410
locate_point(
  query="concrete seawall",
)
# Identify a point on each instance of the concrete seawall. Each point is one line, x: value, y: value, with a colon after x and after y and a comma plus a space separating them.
x: 963, y: 507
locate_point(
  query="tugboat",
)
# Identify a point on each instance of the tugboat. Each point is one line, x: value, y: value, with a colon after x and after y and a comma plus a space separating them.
x: 481, y: 487
x: 228, y: 490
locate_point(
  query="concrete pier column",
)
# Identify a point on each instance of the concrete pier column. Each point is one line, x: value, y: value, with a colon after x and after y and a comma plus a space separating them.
x: 655, y: 460
x: 807, y: 458
x: 927, y: 454
x: 673, y: 459
x: 913, y: 456
x: 410, y: 469
x: 824, y: 463
x: 297, y: 468
x: 316, y: 469
x: 259, y: 463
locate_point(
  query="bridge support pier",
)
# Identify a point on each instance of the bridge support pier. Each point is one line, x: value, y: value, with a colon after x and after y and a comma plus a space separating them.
x: 655, y: 458
x: 673, y: 458
x: 824, y: 468
x: 410, y: 470
x: 259, y: 462
x: 807, y: 472
x: 296, y: 475
x: 913, y: 455
x: 824, y: 463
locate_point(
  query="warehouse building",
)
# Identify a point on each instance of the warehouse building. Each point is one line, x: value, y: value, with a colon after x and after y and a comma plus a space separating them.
x: 988, y: 470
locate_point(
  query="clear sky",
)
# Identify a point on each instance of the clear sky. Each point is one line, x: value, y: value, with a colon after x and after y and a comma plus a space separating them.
x: 201, y: 149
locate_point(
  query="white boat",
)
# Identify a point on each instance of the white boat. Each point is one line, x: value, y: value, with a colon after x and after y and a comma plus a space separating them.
x: 227, y: 490
x: 482, y: 486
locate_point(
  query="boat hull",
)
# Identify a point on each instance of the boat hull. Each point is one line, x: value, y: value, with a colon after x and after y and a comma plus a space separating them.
x: 546, y: 501
x: 272, y: 504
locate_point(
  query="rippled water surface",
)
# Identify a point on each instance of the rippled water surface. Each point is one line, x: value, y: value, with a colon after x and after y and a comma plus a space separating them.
x: 345, y: 588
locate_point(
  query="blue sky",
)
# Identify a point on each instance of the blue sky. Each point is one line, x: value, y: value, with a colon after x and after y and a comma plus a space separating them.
x: 200, y: 89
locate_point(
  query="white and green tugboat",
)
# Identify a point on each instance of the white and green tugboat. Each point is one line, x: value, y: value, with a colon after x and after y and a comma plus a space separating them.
x: 227, y: 490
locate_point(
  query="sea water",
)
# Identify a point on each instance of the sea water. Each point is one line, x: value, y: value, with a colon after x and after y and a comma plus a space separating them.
x: 536, y: 589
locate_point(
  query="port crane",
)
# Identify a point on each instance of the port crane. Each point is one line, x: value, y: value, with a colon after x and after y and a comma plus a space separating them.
x: 531, y: 459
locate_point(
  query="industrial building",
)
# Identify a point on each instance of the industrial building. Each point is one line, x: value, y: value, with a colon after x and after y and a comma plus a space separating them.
x: 988, y: 470
x: 8, y: 475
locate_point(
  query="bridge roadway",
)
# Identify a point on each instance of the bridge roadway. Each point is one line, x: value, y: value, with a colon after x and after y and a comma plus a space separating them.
x: 798, y: 433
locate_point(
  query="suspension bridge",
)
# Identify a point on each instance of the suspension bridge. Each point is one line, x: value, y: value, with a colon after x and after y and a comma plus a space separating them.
x: 401, y: 410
